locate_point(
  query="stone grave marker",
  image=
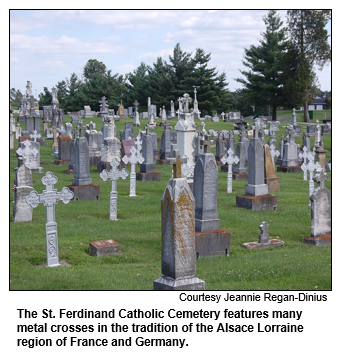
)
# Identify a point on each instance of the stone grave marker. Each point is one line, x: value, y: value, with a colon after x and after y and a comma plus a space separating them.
x: 239, y: 170
x: 22, y: 211
x: 256, y: 195
x: 104, y: 248
x: 49, y: 198
x: 269, y: 170
x: 210, y: 240
x: 82, y: 186
x: 320, y: 213
x: 64, y: 146
x: 178, y: 241
x: 263, y: 239
x: 114, y: 174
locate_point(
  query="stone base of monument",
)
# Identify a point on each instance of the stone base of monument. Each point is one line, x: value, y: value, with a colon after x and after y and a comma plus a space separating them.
x: 240, y: 176
x: 296, y: 169
x: 273, y: 184
x: 215, y: 243
x: 85, y: 192
x: 151, y: 176
x: 69, y: 171
x: 62, y: 161
x: 321, y: 240
x: 257, y: 203
x: 167, y: 283
x: 256, y: 245
x: 94, y: 161
x: 104, y: 248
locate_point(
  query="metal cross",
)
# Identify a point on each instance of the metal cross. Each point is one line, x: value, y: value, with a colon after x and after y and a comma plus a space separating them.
x: 135, y: 157
x: 177, y: 161
x: 229, y: 159
x: 274, y: 152
x: 114, y: 174
x: 49, y: 198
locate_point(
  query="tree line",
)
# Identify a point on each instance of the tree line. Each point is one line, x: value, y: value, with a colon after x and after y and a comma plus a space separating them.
x: 280, y: 73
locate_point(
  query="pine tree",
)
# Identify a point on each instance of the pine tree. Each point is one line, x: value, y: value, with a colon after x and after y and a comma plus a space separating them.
x: 262, y: 83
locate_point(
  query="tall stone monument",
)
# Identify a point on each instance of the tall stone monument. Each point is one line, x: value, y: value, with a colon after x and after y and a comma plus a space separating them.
x: 178, y: 241
x: 82, y: 186
x: 210, y: 240
x: 256, y: 195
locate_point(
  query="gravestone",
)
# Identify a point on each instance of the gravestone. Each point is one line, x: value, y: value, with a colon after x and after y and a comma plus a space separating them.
x: 64, y: 145
x: 126, y: 146
x: 94, y: 139
x: 296, y: 127
x: 148, y: 167
x: 87, y: 113
x: 30, y: 155
x: 290, y: 160
x: 121, y: 110
x: 49, y: 198
x: 178, y: 240
x: 269, y: 170
x: 256, y: 195
x: 103, y: 107
x: 114, y: 174
x: 263, y: 239
x: 210, y: 240
x: 165, y: 151
x: 321, y: 157
x: 22, y: 211
x: 311, y: 130
x: 82, y: 186
x: 311, y: 167
x: 239, y: 170
x: 104, y: 248
x: 320, y: 213
x: 18, y: 131
x: 220, y: 147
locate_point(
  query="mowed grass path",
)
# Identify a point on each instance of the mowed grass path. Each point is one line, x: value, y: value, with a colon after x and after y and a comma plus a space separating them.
x: 295, y: 266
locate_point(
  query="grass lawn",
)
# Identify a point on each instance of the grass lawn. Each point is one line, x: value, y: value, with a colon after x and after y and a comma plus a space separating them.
x: 295, y: 266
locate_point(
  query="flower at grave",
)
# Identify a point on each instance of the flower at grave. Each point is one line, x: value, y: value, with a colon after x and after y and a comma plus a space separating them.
x: 14, y: 187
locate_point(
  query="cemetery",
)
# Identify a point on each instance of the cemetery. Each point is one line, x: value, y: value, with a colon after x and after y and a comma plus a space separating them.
x: 180, y: 221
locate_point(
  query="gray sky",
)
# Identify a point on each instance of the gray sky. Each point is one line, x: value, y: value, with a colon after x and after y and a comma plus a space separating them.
x: 47, y: 46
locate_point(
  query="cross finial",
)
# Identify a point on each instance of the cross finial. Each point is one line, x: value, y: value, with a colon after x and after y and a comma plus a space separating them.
x: 176, y: 161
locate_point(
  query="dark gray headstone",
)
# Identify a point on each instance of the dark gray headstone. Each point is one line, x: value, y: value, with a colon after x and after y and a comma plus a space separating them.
x: 81, y: 165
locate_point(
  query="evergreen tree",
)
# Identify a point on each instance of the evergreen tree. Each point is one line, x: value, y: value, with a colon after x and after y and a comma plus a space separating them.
x: 309, y: 36
x: 44, y: 98
x: 262, y: 83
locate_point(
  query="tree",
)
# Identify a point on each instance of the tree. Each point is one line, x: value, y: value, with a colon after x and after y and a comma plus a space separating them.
x: 309, y: 36
x: 262, y: 83
x: 93, y: 67
x: 44, y: 98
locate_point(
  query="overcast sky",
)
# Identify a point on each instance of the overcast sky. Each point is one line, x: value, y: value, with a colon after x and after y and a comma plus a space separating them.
x: 47, y: 46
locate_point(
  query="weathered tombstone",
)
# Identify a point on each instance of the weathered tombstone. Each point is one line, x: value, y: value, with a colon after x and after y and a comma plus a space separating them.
x: 29, y: 151
x: 269, y: 170
x: 210, y: 240
x: 87, y: 113
x: 178, y: 240
x: 94, y: 138
x: 22, y: 212
x: 134, y: 158
x: 239, y: 170
x: 321, y: 157
x: 148, y: 168
x: 229, y: 159
x: 290, y: 160
x: 121, y: 110
x: 220, y: 147
x: 64, y: 144
x: 49, y: 198
x: 263, y: 239
x: 114, y: 174
x: 320, y: 213
x: 256, y: 195
x: 18, y: 131
x: 82, y: 186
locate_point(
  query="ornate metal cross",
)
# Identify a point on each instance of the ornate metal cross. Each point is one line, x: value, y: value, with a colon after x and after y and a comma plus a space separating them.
x: 49, y: 198
x: 114, y: 174
x: 35, y: 135
x: 229, y: 159
x: 26, y: 152
x: 135, y: 157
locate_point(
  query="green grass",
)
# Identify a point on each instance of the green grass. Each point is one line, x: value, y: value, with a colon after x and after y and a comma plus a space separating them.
x: 295, y: 266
